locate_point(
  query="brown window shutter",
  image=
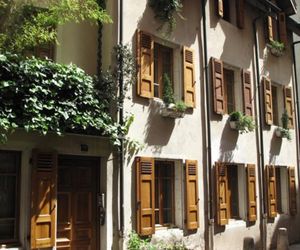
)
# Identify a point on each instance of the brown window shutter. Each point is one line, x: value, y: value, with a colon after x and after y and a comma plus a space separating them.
x: 145, y: 60
x: 288, y: 105
x: 271, y: 189
x: 268, y: 101
x: 270, y: 28
x: 218, y: 86
x: 251, y: 188
x: 222, y: 194
x: 219, y: 8
x: 189, y: 77
x: 282, y: 28
x: 192, y: 207
x: 145, y: 195
x: 292, y: 191
x: 240, y: 13
x: 43, y: 199
x: 247, y: 93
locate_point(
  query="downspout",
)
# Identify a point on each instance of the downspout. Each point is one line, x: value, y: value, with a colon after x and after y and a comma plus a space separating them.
x: 261, y: 174
x: 209, y: 217
x: 121, y: 121
x: 296, y: 94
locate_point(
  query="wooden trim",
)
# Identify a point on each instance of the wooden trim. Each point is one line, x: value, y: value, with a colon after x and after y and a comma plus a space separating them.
x: 189, y: 81
x: 271, y: 191
x: 292, y: 191
x: 268, y: 107
x: 251, y: 190
x: 218, y: 86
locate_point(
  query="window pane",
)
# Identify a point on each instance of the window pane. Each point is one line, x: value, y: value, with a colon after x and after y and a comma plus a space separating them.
x: 232, y: 172
x: 167, y: 214
x: 7, y: 229
x: 167, y: 193
x: 7, y: 196
x: 275, y: 106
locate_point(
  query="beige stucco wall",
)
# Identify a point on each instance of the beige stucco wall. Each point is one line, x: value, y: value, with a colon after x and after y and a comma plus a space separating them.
x: 65, y: 145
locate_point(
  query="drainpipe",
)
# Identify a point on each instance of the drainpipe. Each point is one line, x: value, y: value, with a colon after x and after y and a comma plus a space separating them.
x: 209, y: 215
x: 296, y: 104
x: 261, y: 173
x: 121, y: 121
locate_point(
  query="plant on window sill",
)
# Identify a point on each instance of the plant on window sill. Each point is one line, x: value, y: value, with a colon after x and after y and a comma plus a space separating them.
x: 164, y: 11
x: 241, y: 122
x: 284, y: 132
x: 171, y: 108
x: 276, y: 48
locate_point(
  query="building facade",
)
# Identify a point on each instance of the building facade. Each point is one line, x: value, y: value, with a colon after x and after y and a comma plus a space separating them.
x: 194, y: 179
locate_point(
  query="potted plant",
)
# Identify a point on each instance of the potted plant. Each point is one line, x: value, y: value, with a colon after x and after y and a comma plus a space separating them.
x: 276, y: 48
x: 171, y: 108
x: 284, y: 132
x: 241, y: 122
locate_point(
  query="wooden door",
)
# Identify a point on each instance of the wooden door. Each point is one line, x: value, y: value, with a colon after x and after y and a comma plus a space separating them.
x: 76, y: 209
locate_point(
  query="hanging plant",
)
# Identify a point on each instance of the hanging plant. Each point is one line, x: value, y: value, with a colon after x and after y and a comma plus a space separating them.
x: 164, y: 11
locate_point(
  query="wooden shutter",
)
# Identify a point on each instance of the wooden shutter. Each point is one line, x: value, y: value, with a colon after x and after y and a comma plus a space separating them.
x: 271, y: 190
x: 145, y: 59
x: 145, y: 196
x: 282, y: 28
x: 292, y: 191
x: 192, y: 208
x: 270, y: 28
x: 288, y: 105
x: 247, y: 93
x: 219, y: 8
x: 222, y: 194
x: 240, y: 13
x: 218, y: 86
x: 268, y: 101
x: 43, y: 199
x: 251, y: 188
x: 189, y: 77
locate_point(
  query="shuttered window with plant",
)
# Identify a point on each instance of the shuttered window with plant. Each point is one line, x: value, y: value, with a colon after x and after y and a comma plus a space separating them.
x: 155, y: 68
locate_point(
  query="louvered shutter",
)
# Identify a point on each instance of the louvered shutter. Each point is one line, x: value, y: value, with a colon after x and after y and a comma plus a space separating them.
x: 145, y: 196
x: 240, y: 13
x: 251, y: 188
x: 222, y: 194
x: 220, y: 9
x: 145, y: 59
x: 192, y: 207
x: 247, y: 93
x: 270, y: 28
x: 288, y: 105
x: 282, y: 28
x: 43, y: 199
x: 268, y: 101
x: 189, y: 77
x: 218, y: 86
x: 271, y: 190
x: 292, y: 191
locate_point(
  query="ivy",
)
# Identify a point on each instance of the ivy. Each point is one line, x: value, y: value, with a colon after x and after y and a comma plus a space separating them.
x: 40, y: 95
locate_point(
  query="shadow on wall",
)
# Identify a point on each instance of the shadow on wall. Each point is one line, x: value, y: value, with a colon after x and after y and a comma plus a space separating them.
x: 228, y: 143
x: 275, y: 147
x: 158, y: 129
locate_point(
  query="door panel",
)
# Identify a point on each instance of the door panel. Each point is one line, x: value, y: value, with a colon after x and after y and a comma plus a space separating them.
x: 77, y: 190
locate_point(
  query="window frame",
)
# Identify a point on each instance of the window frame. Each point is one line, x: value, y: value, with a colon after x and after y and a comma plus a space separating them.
x: 16, y: 240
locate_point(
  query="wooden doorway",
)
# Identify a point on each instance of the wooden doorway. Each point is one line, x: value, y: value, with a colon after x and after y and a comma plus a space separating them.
x: 77, y: 189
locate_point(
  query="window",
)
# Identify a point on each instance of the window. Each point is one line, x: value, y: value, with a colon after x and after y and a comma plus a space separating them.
x: 164, y: 193
x: 275, y: 105
x: 232, y: 91
x: 9, y: 196
x: 231, y: 11
x: 163, y: 60
x: 156, y: 58
x: 281, y: 190
x: 233, y: 181
x: 229, y: 90
x: 159, y: 184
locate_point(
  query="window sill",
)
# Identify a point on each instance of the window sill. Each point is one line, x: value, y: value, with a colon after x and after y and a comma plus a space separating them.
x: 235, y: 223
